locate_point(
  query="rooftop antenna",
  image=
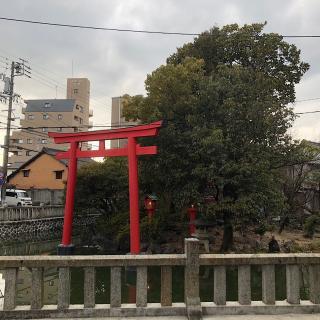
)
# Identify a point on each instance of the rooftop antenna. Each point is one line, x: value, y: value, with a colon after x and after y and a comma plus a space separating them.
x: 72, y: 68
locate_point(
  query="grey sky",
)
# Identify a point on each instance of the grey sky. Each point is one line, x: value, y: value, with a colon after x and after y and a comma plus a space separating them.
x: 117, y: 63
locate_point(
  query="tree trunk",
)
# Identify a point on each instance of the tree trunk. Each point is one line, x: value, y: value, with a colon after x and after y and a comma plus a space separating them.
x: 227, y: 240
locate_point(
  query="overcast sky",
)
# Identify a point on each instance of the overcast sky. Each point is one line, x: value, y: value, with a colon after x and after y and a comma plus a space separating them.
x: 117, y: 63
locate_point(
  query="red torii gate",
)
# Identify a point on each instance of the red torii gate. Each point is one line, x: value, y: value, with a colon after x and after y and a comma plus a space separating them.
x: 131, y: 150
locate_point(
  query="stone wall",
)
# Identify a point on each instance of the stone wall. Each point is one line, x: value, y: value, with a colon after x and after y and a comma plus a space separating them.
x: 28, y: 229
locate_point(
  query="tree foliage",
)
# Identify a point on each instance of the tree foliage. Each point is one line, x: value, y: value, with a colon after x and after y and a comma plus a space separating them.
x: 224, y: 101
x: 103, y: 186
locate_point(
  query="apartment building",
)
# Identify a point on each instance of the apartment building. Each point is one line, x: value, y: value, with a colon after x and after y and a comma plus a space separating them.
x: 51, y: 115
x: 117, y: 120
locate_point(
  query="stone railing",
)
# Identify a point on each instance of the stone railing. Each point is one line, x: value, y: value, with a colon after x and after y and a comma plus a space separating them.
x: 30, y: 213
x: 192, y: 306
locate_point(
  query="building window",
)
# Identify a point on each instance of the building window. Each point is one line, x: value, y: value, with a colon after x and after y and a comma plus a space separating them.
x: 19, y: 140
x: 59, y: 116
x: 44, y: 129
x: 81, y: 109
x: 59, y: 129
x: 75, y: 91
x: 30, y: 116
x: 19, y: 153
x: 45, y: 116
x: 26, y: 173
x: 75, y: 118
x: 81, y: 120
x: 58, y: 174
x: 75, y: 129
x: 28, y: 153
x: 29, y: 141
x: 47, y: 105
x: 44, y: 141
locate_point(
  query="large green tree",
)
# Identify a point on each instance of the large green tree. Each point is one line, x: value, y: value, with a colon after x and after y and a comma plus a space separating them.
x: 224, y: 101
x: 103, y: 187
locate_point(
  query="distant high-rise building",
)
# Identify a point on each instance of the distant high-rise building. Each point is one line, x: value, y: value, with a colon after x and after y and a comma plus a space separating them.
x: 117, y: 120
x: 51, y: 115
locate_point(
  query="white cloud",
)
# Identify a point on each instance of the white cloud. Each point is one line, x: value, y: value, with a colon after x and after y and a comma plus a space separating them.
x: 117, y: 63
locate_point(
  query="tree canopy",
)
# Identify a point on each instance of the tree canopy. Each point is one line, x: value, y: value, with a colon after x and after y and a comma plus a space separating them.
x: 224, y: 101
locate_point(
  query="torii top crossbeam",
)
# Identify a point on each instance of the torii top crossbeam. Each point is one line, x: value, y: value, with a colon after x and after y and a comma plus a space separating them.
x: 131, y: 150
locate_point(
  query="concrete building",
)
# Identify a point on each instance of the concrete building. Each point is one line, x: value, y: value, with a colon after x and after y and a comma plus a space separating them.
x: 58, y: 115
x: 117, y: 120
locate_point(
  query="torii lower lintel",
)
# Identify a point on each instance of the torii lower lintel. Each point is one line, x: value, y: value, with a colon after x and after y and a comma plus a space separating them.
x: 132, y: 150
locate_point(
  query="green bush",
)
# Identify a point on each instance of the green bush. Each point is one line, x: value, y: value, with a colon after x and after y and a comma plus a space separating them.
x: 311, y: 224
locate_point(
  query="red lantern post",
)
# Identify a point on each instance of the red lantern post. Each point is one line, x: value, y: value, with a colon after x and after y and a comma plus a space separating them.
x: 192, y: 211
x: 150, y: 206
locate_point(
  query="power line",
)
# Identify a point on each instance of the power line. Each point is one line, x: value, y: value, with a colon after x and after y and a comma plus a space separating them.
x: 75, y: 26
x: 303, y: 100
x: 98, y: 28
x: 307, y: 112
x: 54, y: 84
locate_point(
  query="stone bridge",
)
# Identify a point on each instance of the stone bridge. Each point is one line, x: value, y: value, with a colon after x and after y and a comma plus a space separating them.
x: 192, y: 307
x: 17, y: 222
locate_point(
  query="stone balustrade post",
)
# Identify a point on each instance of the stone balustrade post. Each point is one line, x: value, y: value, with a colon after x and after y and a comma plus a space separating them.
x: 142, y: 287
x: 219, y: 289
x: 314, y: 280
x: 191, y: 282
x: 10, y: 276
x: 166, y: 286
x: 89, y: 287
x: 115, y: 287
x: 268, y: 284
x: 244, y: 284
x: 37, y: 288
x: 64, y: 288
x: 293, y: 283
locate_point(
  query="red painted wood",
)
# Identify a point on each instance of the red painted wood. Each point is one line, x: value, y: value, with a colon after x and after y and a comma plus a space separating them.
x: 71, y: 185
x: 134, y: 197
x: 102, y: 145
x: 121, y: 152
x: 132, y: 150
x: 192, y: 216
x: 121, y: 133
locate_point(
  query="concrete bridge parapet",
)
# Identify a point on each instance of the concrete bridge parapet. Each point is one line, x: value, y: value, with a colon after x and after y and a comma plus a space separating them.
x: 192, y: 307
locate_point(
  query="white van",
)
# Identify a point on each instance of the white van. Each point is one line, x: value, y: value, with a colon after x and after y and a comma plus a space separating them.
x: 16, y: 197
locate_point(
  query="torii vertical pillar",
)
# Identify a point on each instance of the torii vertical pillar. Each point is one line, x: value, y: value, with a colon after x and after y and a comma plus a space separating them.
x: 134, y: 196
x: 66, y: 247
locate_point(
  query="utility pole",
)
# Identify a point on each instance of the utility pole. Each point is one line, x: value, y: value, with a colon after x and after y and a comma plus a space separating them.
x: 17, y: 69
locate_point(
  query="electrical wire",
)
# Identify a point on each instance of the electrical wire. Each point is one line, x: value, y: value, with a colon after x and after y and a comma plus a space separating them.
x: 307, y: 112
x: 55, y: 83
x: 304, y: 100
x: 75, y: 26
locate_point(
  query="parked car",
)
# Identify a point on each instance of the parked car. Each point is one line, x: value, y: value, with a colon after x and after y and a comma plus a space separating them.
x: 16, y: 197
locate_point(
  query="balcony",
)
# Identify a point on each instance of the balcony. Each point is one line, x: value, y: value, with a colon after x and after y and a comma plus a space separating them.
x: 90, y: 112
